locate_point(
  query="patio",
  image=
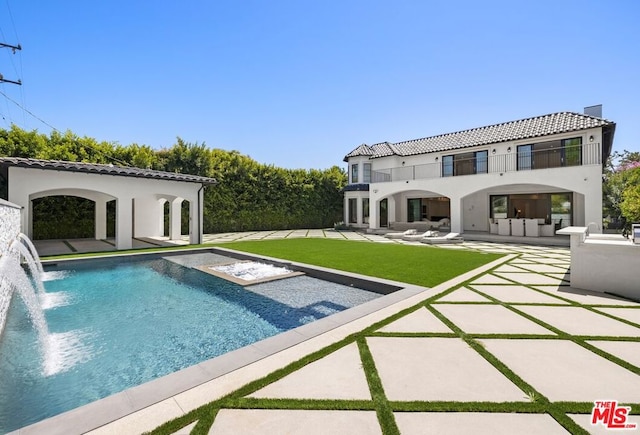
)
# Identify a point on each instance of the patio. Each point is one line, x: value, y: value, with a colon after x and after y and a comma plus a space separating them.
x: 506, y: 348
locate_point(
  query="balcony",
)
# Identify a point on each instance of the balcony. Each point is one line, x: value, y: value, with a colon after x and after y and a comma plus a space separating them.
x: 517, y: 160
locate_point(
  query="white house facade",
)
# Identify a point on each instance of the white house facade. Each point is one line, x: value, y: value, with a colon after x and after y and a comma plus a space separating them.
x: 546, y: 168
x: 139, y: 195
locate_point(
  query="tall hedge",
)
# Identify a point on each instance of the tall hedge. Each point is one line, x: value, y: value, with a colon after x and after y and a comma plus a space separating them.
x: 249, y: 195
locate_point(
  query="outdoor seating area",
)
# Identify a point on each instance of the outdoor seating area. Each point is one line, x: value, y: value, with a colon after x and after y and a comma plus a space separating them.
x: 522, y: 227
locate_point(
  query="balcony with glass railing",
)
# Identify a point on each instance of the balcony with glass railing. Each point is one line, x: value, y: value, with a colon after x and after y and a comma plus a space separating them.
x: 523, y: 158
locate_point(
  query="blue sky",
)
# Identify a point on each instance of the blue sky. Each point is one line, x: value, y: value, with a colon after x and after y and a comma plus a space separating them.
x: 299, y: 84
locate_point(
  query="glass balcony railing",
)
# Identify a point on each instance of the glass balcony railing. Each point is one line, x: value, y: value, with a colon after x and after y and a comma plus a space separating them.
x: 517, y: 160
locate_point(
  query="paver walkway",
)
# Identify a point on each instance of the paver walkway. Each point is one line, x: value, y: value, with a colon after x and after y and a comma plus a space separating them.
x: 512, y: 350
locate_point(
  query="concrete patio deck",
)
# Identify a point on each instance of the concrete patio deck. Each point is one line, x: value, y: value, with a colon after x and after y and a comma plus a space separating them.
x: 453, y: 359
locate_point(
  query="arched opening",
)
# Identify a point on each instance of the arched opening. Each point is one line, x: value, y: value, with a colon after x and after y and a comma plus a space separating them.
x: 166, y: 218
x: 63, y: 217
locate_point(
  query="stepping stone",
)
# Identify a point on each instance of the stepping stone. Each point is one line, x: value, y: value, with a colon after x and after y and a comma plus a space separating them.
x: 544, y: 268
x: 519, y: 261
x: 489, y: 319
x: 338, y: 375
x: 564, y: 371
x: 562, y: 276
x: 585, y: 297
x: 508, y: 268
x: 580, y: 321
x: 626, y: 350
x: 463, y: 295
x: 446, y: 369
x: 530, y: 278
x: 437, y: 423
x: 517, y: 294
x: 294, y: 421
x: 630, y: 314
x: 491, y: 279
x: 421, y: 320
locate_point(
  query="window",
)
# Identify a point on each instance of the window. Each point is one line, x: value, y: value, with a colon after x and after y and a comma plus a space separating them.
x: 482, y: 160
x: 525, y: 157
x: 550, y: 154
x: 572, y: 149
x: 498, y: 206
x: 465, y: 164
x: 366, y: 173
x: 353, y: 211
x: 365, y: 210
x: 354, y: 173
x: 414, y: 210
x: 447, y: 166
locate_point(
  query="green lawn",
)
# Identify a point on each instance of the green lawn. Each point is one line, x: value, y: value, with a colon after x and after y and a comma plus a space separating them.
x: 422, y: 265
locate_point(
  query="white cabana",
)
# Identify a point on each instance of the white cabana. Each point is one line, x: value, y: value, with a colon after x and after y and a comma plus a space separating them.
x: 140, y: 195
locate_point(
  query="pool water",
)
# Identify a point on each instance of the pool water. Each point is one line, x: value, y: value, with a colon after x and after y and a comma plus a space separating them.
x: 116, y: 324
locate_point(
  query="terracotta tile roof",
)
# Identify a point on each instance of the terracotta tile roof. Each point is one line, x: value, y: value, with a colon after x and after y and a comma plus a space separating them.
x: 95, y: 168
x: 538, y: 126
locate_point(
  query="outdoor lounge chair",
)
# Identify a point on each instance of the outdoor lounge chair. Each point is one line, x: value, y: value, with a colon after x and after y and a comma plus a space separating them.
x: 400, y: 235
x: 418, y: 237
x: 449, y: 238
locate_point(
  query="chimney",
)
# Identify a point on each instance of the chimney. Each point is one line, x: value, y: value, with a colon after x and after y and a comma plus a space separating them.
x: 594, y: 110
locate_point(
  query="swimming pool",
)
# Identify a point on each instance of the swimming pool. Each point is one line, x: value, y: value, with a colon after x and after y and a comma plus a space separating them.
x: 118, y: 323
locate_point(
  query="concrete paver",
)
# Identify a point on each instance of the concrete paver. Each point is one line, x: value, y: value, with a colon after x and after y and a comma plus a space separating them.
x: 517, y: 294
x: 564, y: 371
x: 626, y: 350
x: 421, y: 320
x: 585, y: 297
x: 580, y: 321
x: 338, y: 375
x: 463, y: 295
x: 489, y: 319
x: 294, y: 422
x: 438, y: 369
x: 531, y: 278
x: 464, y: 423
x: 630, y: 314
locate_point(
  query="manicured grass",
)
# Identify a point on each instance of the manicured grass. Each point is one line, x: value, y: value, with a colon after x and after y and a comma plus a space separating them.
x: 421, y: 265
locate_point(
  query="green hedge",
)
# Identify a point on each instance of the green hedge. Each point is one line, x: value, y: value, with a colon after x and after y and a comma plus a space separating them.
x: 249, y: 195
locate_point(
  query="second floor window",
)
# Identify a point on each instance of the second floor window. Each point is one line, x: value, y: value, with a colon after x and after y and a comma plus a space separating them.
x: 550, y: 154
x: 465, y: 164
x: 354, y: 173
x: 366, y: 173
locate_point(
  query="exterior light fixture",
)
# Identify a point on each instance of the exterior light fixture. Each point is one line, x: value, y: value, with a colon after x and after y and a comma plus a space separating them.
x: 591, y: 138
x: 493, y: 151
x: 436, y: 159
x: 509, y: 149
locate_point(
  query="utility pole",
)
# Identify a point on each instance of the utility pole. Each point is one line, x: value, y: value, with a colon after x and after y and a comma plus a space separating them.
x: 13, y: 48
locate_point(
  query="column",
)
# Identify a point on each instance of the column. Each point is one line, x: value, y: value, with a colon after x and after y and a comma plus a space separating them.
x: 175, y: 219
x: 456, y: 214
x: 101, y: 219
x: 124, y: 222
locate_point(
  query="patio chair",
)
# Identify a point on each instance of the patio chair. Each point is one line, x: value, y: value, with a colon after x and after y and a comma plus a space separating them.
x: 418, y: 237
x: 449, y: 238
x: 400, y: 235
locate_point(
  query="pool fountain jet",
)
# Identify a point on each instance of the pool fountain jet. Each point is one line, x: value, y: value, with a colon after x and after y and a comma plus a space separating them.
x: 13, y: 278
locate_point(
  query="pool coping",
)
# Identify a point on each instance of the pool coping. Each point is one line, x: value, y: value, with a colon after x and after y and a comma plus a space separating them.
x: 119, y: 405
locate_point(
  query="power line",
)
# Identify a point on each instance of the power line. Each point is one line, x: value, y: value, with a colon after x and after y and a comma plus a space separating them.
x: 55, y: 129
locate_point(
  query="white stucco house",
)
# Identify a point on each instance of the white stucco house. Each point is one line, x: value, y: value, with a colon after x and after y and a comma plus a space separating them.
x: 139, y: 195
x: 547, y: 168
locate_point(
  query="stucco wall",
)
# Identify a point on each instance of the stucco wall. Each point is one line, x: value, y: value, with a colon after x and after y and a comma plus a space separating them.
x: 608, y: 265
x: 25, y: 184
